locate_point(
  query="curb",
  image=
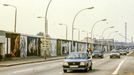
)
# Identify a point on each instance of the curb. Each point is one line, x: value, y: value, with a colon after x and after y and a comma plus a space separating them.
x: 29, y: 62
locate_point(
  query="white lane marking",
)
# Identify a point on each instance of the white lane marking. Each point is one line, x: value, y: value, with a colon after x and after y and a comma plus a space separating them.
x: 119, y: 66
x: 26, y: 70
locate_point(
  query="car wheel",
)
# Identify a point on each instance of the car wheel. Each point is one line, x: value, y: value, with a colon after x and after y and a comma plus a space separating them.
x: 65, y: 71
x: 110, y: 56
x: 119, y: 57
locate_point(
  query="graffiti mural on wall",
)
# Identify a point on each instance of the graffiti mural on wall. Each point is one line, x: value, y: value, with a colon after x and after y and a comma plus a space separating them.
x: 23, y: 46
x: 82, y: 47
x: 53, y: 47
x: 33, y: 46
x: 65, y: 47
x: 74, y: 48
x: 15, y: 44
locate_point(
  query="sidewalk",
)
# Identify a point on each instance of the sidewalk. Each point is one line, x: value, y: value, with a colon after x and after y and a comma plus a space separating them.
x: 29, y: 60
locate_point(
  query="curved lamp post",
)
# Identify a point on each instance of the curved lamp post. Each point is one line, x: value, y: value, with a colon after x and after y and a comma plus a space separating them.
x: 91, y: 45
x: 15, y: 14
x: 46, y: 20
x: 103, y: 34
x: 74, y: 21
x: 115, y: 39
x: 112, y: 33
x: 78, y: 33
x: 66, y: 29
x: 94, y: 26
x: 87, y: 37
x: 105, y: 30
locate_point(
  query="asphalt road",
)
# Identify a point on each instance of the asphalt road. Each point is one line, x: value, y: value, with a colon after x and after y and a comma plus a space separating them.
x: 105, y: 66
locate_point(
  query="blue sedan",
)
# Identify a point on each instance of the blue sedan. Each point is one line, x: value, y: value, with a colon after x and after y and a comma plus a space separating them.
x: 78, y: 61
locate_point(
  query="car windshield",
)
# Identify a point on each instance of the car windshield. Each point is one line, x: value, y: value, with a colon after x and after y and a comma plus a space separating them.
x: 77, y: 56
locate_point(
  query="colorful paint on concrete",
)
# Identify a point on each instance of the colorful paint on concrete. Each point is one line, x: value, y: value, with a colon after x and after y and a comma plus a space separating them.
x: 33, y: 46
x: 23, y: 46
x: 14, y: 44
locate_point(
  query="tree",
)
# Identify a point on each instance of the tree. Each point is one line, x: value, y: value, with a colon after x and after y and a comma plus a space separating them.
x: 40, y: 34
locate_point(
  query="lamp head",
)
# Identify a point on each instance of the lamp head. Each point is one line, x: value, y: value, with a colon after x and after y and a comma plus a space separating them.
x: 111, y: 27
x: 90, y: 8
x: 104, y: 20
x: 5, y: 4
x: 60, y: 24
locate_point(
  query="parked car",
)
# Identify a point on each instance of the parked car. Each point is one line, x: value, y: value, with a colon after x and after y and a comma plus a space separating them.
x: 98, y: 53
x: 115, y: 53
x: 78, y: 61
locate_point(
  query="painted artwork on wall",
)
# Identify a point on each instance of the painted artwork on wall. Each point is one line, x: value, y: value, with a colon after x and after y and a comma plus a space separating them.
x: 65, y: 47
x: 14, y: 44
x: 53, y: 48
x: 33, y: 46
x: 23, y: 46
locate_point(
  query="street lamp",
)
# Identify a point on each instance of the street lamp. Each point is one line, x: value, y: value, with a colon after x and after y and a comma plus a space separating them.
x: 66, y: 29
x: 40, y: 17
x: 115, y: 39
x: 103, y: 37
x: 105, y: 30
x: 15, y: 14
x: 94, y: 26
x: 112, y: 33
x: 46, y: 20
x: 87, y: 37
x: 78, y: 33
x: 91, y: 45
x: 74, y: 21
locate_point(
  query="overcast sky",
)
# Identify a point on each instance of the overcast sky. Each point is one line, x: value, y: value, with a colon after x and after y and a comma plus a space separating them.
x: 117, y: 12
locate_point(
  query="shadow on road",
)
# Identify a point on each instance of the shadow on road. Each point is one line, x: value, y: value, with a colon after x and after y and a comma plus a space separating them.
x: 77, y: 71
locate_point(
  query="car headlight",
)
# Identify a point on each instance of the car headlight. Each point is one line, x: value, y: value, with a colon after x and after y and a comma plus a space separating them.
x: 82, y: 63
x: 65, y: 64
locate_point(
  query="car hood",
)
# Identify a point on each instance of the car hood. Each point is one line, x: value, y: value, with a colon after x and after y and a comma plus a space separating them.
x: 76, y: 60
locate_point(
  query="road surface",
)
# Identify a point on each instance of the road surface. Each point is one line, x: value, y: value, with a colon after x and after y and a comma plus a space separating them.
x: 105, y: 66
